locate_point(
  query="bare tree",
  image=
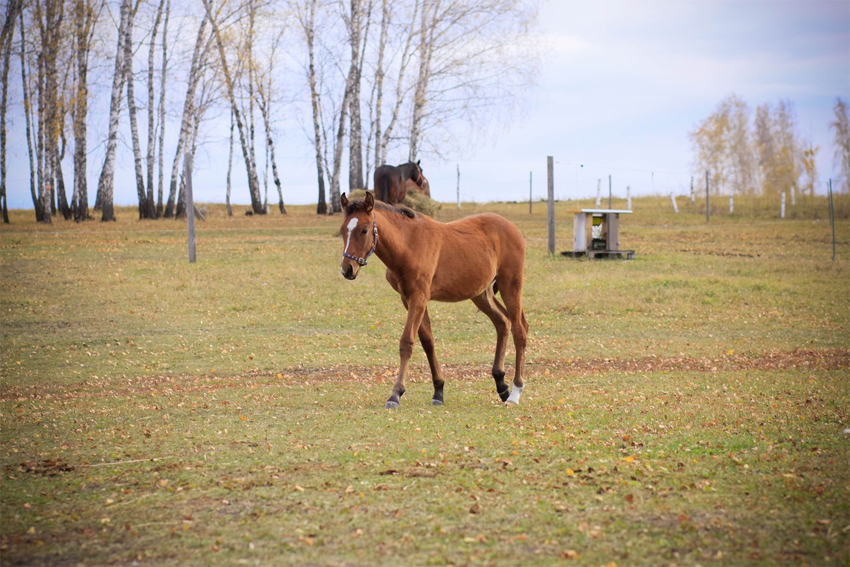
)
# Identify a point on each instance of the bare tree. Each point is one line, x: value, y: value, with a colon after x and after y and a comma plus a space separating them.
x: 162, y: 83
x: 188, y: 111
x: 33, y: 158
x: 841, y: 142
x: 307, y: 20
x: 13, y: 9
x: 150, y: 204
x: 264, y: 90
x: 105, y: 186
x: 146, y: 209
x: 85, y: 18
x: 253, y: 181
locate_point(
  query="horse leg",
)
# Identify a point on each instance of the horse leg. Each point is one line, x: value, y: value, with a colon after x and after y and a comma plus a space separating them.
x: 490, y: 306
x: 415, y: 313
x: 511, y: 290
x: 426, y: 338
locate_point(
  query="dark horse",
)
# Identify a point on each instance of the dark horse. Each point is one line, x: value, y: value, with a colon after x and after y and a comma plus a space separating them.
x: 471, y: 258
x: 391, y: 181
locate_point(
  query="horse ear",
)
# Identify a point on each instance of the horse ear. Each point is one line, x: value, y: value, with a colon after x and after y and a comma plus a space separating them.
x: 370, y: 202
x: 417, y: 163
x: 343, y: 200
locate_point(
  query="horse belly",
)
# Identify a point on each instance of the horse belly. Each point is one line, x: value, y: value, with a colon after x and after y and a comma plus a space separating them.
x: 463, y: 275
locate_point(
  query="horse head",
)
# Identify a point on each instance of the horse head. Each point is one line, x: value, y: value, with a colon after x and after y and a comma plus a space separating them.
x: 359, y: 221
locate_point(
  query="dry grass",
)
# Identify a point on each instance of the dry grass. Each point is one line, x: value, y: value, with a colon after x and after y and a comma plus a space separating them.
x: 686, y: 407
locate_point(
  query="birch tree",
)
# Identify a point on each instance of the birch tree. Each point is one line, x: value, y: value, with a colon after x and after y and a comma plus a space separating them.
x: 13, y: 10
x: 85, y: 18
x: 306, y: 17
x: 150, y: 204
x: 253, y: 180
x: 841, y: 142
x: 105, y: 186
x: 146, y: 210
x: 188, y: 113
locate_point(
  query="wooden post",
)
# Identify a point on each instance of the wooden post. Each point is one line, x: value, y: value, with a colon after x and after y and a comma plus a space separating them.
x: 609, y: 191
x: 529, y: 192
x: 832, y: 219
x: 628, y: 197
x: 731, y: 203
x: 782, y: 207
x: 190, y: 204
x: 707, y: 213
x: 598, y: 193
x: 675, y: 207
x: 458, y: 186
x: 550, y: 171
x: 692, y: 188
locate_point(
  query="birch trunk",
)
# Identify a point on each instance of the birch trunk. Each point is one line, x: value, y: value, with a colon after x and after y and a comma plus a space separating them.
x: 426, y: 36
x: 28, y: 119
x: 309, y: 27
x: 229, y: 168
x: 264, y: 111
x: 105, y: 186
x: 188, y: 111
x: 84, y: 19
x: 253, y: 181
x: 163, y: 75
x: 381, y: 152
x: 355, y: 155
x: 54, y: 12
x: 150, y: 210
x: 134, y: 123
x: 12, y: 10
x: 379, y: 79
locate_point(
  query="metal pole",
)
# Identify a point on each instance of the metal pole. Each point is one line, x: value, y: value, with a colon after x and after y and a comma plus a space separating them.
x: 529, y: 192
x: 707, y: 216
x: 832, y: 219
x: 609, y: 192
x: 550, y: 170
x: 190, y: 204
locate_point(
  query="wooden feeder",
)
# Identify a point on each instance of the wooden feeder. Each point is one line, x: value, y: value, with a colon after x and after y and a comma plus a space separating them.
x: 596, y: 234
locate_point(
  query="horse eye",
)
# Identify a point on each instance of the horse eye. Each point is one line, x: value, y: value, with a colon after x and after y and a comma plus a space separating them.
x: 364, y: 231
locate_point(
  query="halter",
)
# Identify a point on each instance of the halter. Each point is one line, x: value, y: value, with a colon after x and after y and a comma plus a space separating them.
x: 362, y: 261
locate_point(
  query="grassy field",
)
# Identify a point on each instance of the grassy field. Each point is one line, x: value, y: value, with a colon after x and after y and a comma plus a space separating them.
x: 687, y: 407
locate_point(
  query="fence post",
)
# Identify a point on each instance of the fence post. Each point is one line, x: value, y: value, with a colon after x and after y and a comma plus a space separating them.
x: 550, y: 170
x: 675, y: 207
x: 692, y: 189
x: 731, y: 203
x: 707, y: 209
x: 529, y: 192
x: 832, y: 218
x: 190, y: 204
x: 793, y: 197
x: 628, y: 197
x: 598, y: 193
x: 609, y: 192
x: 782, y: 207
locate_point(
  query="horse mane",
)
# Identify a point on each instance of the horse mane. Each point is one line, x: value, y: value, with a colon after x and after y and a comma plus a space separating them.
x: 356, y: 205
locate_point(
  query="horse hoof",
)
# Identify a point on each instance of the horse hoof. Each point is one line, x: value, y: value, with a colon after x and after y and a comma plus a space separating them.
x: 392, y: 405
x: 510, y: 404
x: 505, y: 394
x: 436, y: 402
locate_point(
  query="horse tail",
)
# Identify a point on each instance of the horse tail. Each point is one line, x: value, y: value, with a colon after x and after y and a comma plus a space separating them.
x: 383, y: 189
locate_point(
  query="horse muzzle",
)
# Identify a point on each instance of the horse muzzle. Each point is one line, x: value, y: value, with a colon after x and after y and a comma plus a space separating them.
x: 348, y: 272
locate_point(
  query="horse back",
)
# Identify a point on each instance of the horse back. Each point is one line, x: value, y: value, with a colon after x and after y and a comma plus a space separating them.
x: 387, y: 180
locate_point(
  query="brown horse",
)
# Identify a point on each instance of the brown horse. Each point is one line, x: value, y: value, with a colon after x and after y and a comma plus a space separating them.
x: 471, y: 258
x: 424, y: 187
x: 391, y: 181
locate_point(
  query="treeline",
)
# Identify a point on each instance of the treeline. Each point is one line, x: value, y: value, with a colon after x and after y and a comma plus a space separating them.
x: 762, y: 152
x: 365, y: 76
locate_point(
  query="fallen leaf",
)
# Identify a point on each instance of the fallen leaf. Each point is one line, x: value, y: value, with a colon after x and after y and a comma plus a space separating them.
x: 570, y: 554
x: 475, y: 509
x: 630, y: 498
x: 571, y: 472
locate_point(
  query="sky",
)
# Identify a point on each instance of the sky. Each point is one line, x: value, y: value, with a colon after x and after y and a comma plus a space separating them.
x: 621, y: 84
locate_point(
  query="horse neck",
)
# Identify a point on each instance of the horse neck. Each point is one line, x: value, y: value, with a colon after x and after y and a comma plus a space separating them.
x: 393, y: 236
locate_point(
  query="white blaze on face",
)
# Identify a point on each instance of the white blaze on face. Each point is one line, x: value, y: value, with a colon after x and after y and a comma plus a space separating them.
x: 351, y: 224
